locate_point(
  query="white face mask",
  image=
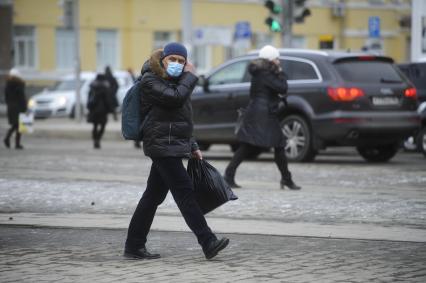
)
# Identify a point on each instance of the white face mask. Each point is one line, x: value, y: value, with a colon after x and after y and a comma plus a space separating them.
x: 174, y: 69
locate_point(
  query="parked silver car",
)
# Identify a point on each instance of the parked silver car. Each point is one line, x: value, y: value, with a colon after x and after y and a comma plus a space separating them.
x: 60, y: 101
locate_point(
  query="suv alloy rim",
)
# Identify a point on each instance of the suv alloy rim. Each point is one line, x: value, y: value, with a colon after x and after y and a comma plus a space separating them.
x: 296, y: 138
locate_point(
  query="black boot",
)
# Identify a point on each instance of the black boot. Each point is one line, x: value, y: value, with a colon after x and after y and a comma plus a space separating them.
x: 140, y: 253
x: 8, y: 135
x: 281, y: 161
x: 96, y: 144
x: 290, y: 184
x: 214, y: 247
x: 18, y: 144
x: 231, y: 182
x: 6, y: 142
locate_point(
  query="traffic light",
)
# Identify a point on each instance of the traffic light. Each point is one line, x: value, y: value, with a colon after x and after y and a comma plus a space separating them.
x: 300, y: 11
x: 274, y: 9
x: 274, y: 25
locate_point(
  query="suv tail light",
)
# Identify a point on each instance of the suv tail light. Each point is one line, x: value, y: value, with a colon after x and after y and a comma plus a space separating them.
x: 411, y: 93
x: 344, y: 93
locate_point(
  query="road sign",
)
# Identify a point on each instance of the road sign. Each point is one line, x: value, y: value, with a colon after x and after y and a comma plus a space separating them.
x: 242, y: 30
x: 374, y: 27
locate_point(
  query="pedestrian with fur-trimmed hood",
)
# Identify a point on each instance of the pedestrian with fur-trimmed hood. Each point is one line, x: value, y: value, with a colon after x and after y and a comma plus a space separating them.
x: 16, y: 103
x: 167, y: 81
x: 260, y: 127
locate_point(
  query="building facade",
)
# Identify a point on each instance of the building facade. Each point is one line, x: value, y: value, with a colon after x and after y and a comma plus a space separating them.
x: 123, y: 33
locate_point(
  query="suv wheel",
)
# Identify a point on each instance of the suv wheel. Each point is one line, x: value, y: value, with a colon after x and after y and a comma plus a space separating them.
x: 378, y: 153
x: 421, y: 141
x: 299, y: 139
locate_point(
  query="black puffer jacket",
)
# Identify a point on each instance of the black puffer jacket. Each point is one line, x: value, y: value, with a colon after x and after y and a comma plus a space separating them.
x: 167, y: 131
x: 15, y: 99
x: 99, y: 104
x: 261, y: 126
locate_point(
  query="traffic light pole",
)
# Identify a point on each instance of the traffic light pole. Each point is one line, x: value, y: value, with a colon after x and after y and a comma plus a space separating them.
x: 77, y: 108
x: 287, y: 21
x: 187, y: 25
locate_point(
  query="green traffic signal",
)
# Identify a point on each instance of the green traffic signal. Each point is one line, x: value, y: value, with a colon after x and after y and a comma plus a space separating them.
x: 273, y: 24
x: 273, y: 7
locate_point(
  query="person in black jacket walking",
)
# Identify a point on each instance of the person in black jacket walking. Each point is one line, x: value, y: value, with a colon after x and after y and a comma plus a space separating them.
x: 16, y: 103
x: 260, y: 126
x: 113, y: 88
x: 167, y: 83
x: 99, y: 105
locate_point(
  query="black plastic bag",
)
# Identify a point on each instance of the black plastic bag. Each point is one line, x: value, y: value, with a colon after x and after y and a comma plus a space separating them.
x: 211, y: 190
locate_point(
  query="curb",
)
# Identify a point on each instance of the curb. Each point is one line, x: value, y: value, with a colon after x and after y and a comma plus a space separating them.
x: 220, y: 225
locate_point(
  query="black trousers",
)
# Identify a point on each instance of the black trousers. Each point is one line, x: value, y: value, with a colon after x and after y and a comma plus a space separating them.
x: 12, y: 129
x: 98, y: 131
x: 245, y: 150
x: 167, y: 173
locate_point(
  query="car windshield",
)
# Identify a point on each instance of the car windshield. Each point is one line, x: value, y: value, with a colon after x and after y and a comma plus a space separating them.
x: 368, y: 72
x: 66, y: 85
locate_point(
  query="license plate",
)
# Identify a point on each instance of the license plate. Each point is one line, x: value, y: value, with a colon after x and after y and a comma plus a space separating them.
x: 385, y: 101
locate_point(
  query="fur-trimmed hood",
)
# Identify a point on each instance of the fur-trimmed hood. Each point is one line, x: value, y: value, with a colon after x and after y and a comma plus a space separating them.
x: 153, y: 64
x: 15, y: 80
x: 260, y: 64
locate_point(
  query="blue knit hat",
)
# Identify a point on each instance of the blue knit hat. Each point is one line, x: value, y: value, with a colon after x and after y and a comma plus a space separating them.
x: 174, y: 48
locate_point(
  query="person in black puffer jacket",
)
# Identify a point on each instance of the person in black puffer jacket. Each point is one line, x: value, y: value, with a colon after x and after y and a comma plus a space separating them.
x: 260, y: 127
x: 99, y: 105
x: 167, y: 83
x: 16, y: 103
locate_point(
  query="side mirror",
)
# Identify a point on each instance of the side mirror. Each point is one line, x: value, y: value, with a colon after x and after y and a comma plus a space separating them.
x: 204, y: 82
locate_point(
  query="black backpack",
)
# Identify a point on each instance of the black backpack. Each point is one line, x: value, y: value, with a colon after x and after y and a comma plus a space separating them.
x: 131, y: 117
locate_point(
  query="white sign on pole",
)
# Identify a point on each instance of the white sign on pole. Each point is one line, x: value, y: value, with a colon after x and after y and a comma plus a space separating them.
x: 212, y: 36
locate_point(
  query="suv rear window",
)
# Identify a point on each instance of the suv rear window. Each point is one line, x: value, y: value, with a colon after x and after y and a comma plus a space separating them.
x: 368, y: 71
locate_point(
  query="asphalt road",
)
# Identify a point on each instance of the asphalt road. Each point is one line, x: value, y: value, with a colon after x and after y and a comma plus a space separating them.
x: 66, y: 183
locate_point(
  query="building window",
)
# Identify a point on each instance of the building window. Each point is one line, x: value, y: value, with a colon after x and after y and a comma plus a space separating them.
x: 201, y: 58
x: 161, y: 38
x: 24, y: 47
x: 106, y: 49
x: 65, y: 49
x: 298, y: 41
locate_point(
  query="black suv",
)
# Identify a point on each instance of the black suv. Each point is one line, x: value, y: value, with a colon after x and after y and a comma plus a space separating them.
x: 334, y: 99
x: 416, y: 73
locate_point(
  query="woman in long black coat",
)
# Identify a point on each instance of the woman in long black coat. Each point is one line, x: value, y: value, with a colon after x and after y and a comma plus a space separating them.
x: 260, y: 127
x: 16, y: 103
x: 99, y: 105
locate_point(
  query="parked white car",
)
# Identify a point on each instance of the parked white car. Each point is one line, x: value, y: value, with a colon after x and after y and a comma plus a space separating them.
x: 60, y: 101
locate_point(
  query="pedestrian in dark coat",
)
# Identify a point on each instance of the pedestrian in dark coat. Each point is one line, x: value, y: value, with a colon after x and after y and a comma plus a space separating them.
x: 16, y: 103
x: 260, y: 126
x: 167, y: 83
x: 99, y: 105
x: 113, y: 88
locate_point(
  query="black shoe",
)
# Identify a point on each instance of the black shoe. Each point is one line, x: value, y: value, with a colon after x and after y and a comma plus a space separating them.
x: 97, y: 145
x: 231, y: 183
x: 290, y: 184
x: 141, y: 253
x: 214, y: 247
x: 19, y: 147
x: 6, y: 143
